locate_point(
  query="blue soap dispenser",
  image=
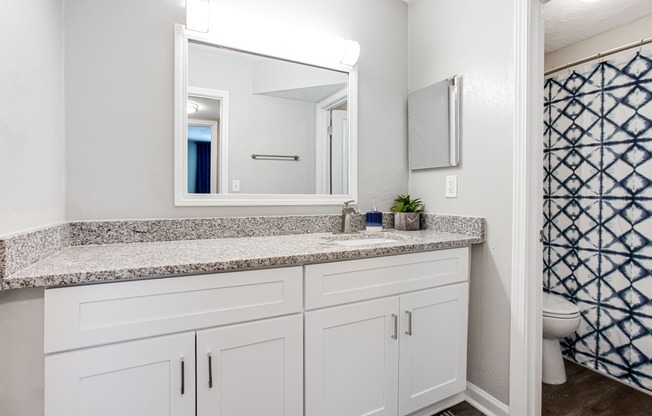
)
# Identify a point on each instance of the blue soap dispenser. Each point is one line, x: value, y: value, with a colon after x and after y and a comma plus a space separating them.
x: 374, y: 220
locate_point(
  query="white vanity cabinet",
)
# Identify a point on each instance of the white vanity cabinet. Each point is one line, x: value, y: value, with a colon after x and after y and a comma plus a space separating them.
x: 251, y: 369
x: 352, y: 359
x: 257, y: 358
x: 246, y: 369
x: 389, y: 356
x: 433, y: 335
x: 149, y: 377
x: 381, y: 336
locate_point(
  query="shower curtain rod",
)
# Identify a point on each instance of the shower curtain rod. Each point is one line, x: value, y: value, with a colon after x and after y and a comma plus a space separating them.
x: 640, y: 43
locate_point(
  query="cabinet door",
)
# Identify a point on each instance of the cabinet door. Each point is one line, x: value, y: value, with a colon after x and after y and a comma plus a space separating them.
x: 433, y: 346
x: 251, y: 369
x: 153, y: 377
x: 352, y: 360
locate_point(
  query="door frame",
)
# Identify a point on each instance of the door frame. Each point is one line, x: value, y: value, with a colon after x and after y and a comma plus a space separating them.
x: 322, y: 145
x: 222, y: 154
x: 527, y: 203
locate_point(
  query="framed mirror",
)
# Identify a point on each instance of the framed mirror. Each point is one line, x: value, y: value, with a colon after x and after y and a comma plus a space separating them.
x: 256, y: 129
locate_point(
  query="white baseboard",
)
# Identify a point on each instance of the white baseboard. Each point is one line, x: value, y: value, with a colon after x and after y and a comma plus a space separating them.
x: 484, y: 401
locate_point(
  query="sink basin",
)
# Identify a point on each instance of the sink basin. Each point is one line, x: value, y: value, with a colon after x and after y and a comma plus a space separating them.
x: 364, y: 242
x: 364, y: 239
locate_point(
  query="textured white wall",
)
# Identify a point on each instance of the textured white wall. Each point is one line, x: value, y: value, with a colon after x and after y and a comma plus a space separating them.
x: 632, y: 32
x: 31, y: 114
x: 21, y: 352
x: 119, y: 98
x: 473, y: 39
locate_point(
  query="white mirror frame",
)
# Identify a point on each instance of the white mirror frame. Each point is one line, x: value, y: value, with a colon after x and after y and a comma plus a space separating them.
x: 181, y: 195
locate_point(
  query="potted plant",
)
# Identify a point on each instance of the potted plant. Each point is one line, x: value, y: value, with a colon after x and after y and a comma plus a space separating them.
x: 407, y: 212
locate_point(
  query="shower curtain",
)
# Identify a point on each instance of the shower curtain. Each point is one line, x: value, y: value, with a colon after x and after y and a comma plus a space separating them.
x: 597, y: 211
x: 203, y: 168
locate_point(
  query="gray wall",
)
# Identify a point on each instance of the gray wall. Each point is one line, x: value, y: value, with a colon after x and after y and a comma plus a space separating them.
x: 31, y: 114
x: 21, y: 352
x: 441, y: 44
x: 119, y: 95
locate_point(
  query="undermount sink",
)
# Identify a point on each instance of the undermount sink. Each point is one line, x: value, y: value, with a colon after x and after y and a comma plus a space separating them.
x: 364, y: 239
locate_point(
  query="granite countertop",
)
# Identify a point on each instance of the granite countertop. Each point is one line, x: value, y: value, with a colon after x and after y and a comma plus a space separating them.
x: 112, y: 262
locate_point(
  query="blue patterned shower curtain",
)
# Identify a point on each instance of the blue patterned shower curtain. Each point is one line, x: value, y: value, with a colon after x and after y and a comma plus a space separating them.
x: 597, y: 211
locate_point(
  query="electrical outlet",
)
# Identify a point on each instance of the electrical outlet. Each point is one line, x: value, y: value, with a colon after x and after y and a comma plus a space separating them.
x: 235, y: 187
x: 451, y: 186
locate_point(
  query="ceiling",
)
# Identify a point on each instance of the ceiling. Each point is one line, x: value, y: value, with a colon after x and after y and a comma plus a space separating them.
x: 312, y: 94
x: 571, y: 21
x: 209, y: 109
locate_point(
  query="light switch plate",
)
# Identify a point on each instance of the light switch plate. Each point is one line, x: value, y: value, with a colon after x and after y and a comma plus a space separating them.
x: 451, y: 186
x: 235, y: 187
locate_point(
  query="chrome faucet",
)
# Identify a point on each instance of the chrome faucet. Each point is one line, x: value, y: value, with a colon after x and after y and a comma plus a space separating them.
x: 346, y: 216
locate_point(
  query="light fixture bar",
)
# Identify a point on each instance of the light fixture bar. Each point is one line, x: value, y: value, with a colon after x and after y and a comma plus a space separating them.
x: 240, y: 30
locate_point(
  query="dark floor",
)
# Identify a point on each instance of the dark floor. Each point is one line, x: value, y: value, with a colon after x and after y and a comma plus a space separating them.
x: 588, y: 393
x: 462, y: 409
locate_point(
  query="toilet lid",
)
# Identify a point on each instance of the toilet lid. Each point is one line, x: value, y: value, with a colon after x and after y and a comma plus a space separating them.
x: 557, y: 307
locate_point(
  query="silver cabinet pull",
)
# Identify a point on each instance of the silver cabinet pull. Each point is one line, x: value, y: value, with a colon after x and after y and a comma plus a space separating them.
x: 395, y: 334
x: 183, y: 376
x: 210, y: 371
x: 409, y: 326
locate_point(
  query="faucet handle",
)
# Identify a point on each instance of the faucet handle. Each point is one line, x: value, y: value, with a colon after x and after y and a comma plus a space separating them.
x: 346, y: 203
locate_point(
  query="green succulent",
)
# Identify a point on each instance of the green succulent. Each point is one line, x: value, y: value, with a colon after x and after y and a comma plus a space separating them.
x: 404, y: 203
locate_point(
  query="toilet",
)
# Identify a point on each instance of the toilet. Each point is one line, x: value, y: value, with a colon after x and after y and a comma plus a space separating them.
x: 560, y: 319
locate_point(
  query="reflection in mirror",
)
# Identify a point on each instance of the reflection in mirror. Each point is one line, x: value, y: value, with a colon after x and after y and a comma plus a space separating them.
x: 276, y: 109
x: 203, y: 139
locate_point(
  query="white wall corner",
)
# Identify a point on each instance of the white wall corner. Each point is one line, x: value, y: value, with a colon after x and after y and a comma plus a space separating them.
x: 484, y: 401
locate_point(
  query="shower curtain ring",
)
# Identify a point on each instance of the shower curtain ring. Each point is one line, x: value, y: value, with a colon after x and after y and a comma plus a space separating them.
x: 640, y: 46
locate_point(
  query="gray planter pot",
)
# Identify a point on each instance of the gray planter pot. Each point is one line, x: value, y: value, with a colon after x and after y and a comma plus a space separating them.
x: 407, y: 221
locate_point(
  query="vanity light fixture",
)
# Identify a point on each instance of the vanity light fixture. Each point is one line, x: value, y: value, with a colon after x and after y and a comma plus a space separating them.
x: 351, y: 52
x: 192, y: 107
x: 197, y: 15
x: 241, y: 30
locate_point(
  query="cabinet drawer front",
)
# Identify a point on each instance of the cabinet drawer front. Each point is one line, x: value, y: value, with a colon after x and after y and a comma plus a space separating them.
x: 83, y: 316
x: 350, y: 281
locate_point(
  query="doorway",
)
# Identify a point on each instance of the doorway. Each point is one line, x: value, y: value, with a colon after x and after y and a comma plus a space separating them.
x: 333, y: 147
x: 528, y: 199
